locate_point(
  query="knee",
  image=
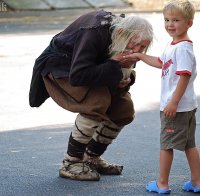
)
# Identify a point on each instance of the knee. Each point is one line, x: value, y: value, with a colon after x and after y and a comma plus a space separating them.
x: 125, y: 113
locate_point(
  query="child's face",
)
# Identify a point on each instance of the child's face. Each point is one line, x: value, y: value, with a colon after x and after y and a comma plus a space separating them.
x: 176, y: 25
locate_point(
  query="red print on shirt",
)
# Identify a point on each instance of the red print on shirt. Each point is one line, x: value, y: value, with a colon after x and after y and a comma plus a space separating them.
x: 165, y: 67
x: 169, y: 130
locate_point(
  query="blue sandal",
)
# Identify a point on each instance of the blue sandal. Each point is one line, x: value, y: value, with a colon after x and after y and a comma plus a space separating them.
x: 188, y: 187
x: 153, y: 187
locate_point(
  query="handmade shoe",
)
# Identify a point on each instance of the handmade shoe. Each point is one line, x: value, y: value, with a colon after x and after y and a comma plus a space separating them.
x: 78, y: 171
x: 103, y: 167
x: 189, y: 188
x: 153, y: 187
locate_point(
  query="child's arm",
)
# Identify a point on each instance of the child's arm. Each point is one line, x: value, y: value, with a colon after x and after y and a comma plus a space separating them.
x: 170, y: 109
x: 150, y: 60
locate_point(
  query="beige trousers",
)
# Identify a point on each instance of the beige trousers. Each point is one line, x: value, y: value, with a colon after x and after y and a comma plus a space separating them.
x: 101, y: 115
x: 95, y: 103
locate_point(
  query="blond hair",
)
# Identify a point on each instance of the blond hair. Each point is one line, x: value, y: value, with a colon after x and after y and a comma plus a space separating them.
x: 185, y: 7
x: 123, y: 29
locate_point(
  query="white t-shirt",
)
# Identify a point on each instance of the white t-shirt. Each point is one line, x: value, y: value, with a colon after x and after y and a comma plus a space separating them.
x: 178, y: 58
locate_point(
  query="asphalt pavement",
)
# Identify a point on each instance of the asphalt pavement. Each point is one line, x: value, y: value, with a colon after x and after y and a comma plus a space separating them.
x: 33, y: 140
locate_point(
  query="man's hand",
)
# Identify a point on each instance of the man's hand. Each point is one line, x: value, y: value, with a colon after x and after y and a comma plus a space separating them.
x: 124, y: 83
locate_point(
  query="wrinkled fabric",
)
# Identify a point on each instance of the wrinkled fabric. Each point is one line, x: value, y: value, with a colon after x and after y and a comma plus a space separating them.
x: 80, y: 52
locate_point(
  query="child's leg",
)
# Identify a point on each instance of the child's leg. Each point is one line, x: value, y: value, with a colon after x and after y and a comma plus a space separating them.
x: 194, y: 163
x: 166, y: 158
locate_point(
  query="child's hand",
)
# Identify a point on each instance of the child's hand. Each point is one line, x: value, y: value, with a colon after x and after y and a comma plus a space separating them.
x: 131, y: 57
x: 119, y: 57
x: 125, y: 62
x: 170, y: 109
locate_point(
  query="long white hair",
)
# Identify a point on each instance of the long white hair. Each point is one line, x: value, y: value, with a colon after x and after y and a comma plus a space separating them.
x: 123, y: 29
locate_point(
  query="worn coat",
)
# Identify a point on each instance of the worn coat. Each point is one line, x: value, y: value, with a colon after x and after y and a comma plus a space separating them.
x: 79, y: 53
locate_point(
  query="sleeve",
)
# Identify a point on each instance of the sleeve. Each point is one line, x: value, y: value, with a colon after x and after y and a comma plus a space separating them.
x: 89, y: 65
x: 159, y: 60
x: 162, y: 57
x: 185, y: 61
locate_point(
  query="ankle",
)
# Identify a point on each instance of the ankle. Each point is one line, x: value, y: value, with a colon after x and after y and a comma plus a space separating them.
x: 89, y: 158
x: 195, y: 183
x: 72, y: 159
x: 162, y: 184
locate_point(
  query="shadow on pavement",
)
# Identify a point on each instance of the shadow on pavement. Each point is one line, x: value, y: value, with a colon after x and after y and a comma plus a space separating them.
x: 30, y: 160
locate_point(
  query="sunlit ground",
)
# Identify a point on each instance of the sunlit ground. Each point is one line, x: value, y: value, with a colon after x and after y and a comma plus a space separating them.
x: 17, y: 55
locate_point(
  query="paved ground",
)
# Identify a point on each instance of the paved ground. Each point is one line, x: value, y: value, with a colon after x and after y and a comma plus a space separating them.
x: 32, y: 140
x: 30, y: 159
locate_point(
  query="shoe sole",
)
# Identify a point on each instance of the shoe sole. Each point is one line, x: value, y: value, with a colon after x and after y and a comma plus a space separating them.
x: 110, y: 171
x: 74, y: 177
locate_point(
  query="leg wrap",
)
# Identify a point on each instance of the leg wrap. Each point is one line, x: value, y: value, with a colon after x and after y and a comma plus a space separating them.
x: 106, y: 132
x: 75, y: 148
x: 103, y: 136
x: 84, y: 129
x: 95, y: 149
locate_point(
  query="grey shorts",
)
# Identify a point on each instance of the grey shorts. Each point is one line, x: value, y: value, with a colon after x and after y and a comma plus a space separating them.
x: 178, y: 132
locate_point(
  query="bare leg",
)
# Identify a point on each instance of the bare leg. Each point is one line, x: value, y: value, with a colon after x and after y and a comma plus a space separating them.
x: 166, y: 158
x: 194, y: 163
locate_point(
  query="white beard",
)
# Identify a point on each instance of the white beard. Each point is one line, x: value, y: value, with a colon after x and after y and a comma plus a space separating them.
x: 126, y: 72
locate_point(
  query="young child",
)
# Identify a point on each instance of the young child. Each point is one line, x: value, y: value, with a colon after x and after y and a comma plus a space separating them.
x: 178, y: 101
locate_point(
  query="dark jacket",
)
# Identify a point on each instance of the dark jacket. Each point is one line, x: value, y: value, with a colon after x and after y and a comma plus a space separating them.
x: 79, y: 53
